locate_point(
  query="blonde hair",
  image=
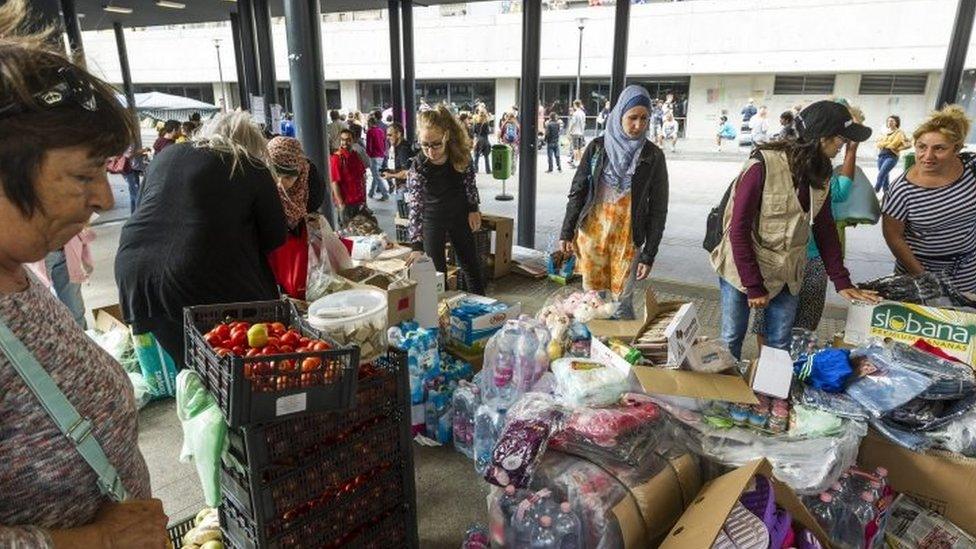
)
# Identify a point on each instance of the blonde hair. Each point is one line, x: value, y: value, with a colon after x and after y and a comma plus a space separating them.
x: 951, y: 121
x: 458, y: 143
x: 234, y: 134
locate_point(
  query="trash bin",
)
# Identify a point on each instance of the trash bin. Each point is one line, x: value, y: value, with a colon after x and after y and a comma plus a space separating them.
x: 501, y: 161
x: 909, y: 160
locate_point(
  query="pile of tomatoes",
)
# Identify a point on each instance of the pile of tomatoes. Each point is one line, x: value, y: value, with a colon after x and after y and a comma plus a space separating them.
x: 272, y: 340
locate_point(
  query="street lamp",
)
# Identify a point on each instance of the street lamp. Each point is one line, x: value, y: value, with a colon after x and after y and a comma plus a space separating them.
x: 220, y: 72
x: 581, y: 22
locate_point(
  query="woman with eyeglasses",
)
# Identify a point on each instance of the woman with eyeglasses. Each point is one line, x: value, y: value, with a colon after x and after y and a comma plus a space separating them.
x: 58, y: 125
x: 442, y: 195
x: 209, y: 214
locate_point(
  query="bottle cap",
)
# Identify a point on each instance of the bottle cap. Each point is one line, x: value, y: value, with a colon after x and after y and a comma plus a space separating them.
x: 826, y: 498
x: 545, y: 521
x: 565, y: 507
x: 867, y: 496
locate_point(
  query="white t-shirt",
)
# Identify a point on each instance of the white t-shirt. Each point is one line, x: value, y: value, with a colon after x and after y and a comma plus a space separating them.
x: 670, y: 128
x: 760, y: 129
x: 577, y: 122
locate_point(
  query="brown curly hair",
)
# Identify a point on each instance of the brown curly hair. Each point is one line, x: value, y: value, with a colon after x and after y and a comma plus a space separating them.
x: 458, y: 141
x: 30, y: 64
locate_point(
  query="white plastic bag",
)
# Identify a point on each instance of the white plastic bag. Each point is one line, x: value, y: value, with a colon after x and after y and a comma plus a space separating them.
x: 582, y: 382
x: 326, y: 256
x: 204, y: 432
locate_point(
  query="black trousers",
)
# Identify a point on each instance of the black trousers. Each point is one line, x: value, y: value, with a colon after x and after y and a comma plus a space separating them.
x: 482, y: 147
x: 454, y: 225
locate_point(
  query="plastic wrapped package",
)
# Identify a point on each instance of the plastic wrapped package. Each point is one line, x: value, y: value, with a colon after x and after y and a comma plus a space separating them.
x: 959, y: 435
x: 808, y: 465
x: 827, y: 369
x: 118, y: 343
x: 582, y: 382
x: 204, y: 432
x: 515, y: 359
x: 838, y: 404
x: 140, y: 389
x: 528, y: 427
x: 950, y: 380
x: 925, y: 415
x: 881, y: 383
x: 926, y: 289
x: 568, y: 304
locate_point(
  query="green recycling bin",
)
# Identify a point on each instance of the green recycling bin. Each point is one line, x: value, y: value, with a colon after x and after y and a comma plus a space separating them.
x: 909, y: 160
x: 501, y: 161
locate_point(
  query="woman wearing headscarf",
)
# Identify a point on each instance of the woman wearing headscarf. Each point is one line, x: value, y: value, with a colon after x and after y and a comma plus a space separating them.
x: 618, y: 202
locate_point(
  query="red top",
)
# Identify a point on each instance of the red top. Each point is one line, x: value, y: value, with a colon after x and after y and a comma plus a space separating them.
x: 376, y: 142
x: 347, y: 172
x: 161, y: 143
x: 745, y: 210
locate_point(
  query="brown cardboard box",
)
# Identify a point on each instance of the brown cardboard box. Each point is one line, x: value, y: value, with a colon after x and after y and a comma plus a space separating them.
x: 655, y: 505
x: 400, y: 301
x: 473, y: 357
x: 726, y: 388
x: 700, y: 524
x: 503, y: 227
x: 109, y: 318
x: 630, y: 330
x: 943, y: 482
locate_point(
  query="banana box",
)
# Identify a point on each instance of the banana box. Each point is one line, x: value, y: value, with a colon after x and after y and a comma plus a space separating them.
x: 952, y: 331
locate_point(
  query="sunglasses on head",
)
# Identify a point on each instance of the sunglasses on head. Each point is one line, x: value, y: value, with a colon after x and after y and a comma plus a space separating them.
x: 68, y: 89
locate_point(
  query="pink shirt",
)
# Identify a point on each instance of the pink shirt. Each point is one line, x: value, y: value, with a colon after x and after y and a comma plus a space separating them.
x: 375, y: 142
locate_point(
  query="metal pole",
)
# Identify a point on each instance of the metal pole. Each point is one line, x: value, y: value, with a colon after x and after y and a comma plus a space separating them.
x: 269, y: 84
x: 579, y: 60
x: 220, y: 74
x: 621, y: 29
x: 956, y: 56
x: 396, y: 82
x: 71, y: 27
x: 409, y: 79
x: 130, y: 96
x: 302, y: 27
x: 235, y: 30
x: 528, y: 113
x: 248, y: 50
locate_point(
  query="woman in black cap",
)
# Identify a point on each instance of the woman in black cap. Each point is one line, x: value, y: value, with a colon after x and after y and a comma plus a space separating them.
x: 775, y: 204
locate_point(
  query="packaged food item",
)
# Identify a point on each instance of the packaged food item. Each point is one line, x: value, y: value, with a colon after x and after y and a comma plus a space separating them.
x: 911, y: 525
x: 584, y: 382
x: 529, y: 425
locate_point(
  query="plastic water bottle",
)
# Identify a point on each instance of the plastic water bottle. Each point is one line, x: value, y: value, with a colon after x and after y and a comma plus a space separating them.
x: 487, y: 426
x: 568, y: 527
x: 476, y: 538
x: 822, y: 509
x: 525, y: 366
x: 508, y: 501
x: 465, y: 403
x: 522, y: 525
x: 543, y: 536
x: 855, y: 521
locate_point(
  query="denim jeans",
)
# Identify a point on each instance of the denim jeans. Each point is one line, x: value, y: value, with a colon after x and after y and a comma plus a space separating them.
x: 374, y: 169
x: 552, y: 150
x: 68, y: 292
x: 735, y: 318
x: 886, y: 162
x: 132, y: 179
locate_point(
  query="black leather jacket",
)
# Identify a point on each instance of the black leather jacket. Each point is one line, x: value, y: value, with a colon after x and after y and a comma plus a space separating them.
x: 649, y: 197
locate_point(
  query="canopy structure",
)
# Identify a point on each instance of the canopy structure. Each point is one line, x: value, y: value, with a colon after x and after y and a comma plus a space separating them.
x: 163, y: 105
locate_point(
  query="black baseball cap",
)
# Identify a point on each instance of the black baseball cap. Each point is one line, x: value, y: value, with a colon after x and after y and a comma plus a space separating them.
x: 830, y: 118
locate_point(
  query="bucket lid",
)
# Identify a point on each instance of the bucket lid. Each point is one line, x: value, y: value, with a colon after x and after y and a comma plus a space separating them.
x: 346, y: 306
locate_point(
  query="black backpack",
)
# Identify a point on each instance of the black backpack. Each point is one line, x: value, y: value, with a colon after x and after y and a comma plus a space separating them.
x: 714, y: 223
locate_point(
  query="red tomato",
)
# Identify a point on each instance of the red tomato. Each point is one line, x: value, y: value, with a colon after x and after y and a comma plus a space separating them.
x: 269, y: 350
x: 286, y: 365
x: 286, y: 349
x: 302, y: 349
x: 320, y: 346
x: 263, y: 368
x: 238, y: 350
x: 311, y: 364
x: 239, y: 338
x: 290, y: 338
x: 223, y: 351
x: 253, y: 352
x: 239, y: 325
x: 272, y: 340
x: 213, y: 339
x: 276, y: 328
x: 222, y: 330
x: 304, y: 341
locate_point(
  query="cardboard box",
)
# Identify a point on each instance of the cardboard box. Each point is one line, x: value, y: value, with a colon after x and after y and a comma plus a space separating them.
x: 939, y: 481
x: 401, y: 301
x: 645, y: 517
x: 501, y: 253
x: 701, y: 523
x: 772, y: 374
x: 109, y: 318
x: 952, y: 331
x: 680, y: 332
x: 473, y: 357
x: 474, y: 333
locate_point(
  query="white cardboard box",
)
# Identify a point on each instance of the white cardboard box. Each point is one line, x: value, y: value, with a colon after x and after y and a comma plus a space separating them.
x: 772, y: 374
x: 952, y: 331
x: 424, y: 274
x: 681, y: 333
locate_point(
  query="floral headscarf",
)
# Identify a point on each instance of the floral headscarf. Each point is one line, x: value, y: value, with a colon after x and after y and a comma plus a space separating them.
x: 286, y: 153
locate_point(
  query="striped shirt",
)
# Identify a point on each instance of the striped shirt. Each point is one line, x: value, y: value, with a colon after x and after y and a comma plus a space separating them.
x: 940, y: 224
x: 45, y: 484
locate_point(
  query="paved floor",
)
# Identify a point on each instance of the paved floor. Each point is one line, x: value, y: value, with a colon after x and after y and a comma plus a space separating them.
x: 450, y: 496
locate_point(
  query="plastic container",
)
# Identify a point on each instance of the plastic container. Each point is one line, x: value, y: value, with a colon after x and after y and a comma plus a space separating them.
x: 176, y: 531
x: 353, y: 317
x: 246, y: 397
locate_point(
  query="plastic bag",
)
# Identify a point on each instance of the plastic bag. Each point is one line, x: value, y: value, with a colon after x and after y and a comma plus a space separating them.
x: 827, y: 369
x: 326, y: 255
x: 950, y: 380
x: 881, y: 383
x: 927, y: 289
x: 204, y: 432
x: 560, y: 266
x: 838, y: 404
x: 925, y: 415
x: 515, y: 359
x: 583, y: 382
x: 140, y: 389
x: 959, y: 435
x: 523, y: 440
x: 118, y: 343
x: 158, y: 369
x: 580, y: 305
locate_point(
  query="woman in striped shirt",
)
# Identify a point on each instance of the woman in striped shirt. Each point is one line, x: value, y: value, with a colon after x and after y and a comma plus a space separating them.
x: 930, y: 211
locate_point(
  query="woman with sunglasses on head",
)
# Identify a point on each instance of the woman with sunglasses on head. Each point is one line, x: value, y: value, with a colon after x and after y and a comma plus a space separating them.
x: 58, y: 125
x: 442, y: 195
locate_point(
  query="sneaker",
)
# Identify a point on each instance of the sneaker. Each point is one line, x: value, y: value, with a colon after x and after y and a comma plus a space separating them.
x: 548, y: 171
x: 383, y: 198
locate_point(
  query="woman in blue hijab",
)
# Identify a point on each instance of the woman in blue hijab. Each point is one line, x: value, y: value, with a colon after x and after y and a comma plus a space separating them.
x: 618, y: 202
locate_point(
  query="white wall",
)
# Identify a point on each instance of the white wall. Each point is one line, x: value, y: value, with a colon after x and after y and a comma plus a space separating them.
x: 506, y: 95
x: 349, y: 95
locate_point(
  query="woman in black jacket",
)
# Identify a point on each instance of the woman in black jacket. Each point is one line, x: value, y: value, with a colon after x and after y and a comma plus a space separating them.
x: 209, y: 214
x: 618, y: 202
x: 481, y: 129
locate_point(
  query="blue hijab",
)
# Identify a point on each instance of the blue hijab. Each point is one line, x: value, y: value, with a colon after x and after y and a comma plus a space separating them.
x: 622, y: 150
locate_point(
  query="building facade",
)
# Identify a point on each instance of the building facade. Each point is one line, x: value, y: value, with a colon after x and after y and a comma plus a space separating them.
x: 885, y: 56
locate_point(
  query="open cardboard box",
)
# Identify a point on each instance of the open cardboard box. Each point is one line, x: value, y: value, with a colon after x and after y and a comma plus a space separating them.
x: 681, y: 333
x: 701, y: 523
x: 400, y: 300
x: 943, y: 482
x: 645, y: 516
x: 109, y: 318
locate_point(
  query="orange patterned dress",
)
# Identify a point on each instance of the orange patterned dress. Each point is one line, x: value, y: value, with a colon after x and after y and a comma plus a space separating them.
x: 605, y: 247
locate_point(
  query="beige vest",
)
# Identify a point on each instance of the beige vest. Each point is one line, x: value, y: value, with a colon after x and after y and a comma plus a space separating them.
x: 780, y: 234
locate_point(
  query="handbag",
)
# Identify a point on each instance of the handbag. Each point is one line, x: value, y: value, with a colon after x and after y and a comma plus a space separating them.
x: 78, y: 429
x: 861, y: 206
x: 289, y: 262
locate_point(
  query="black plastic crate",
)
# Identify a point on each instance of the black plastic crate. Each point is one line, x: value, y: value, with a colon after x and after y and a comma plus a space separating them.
x: 179, y: 529
x: 402, y: 209
x: 261, y: 389
x: 402, y: 234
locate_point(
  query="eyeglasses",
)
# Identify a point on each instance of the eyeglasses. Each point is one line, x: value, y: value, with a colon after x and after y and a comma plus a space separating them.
x: 69, y: 88
x: 431, y: 146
